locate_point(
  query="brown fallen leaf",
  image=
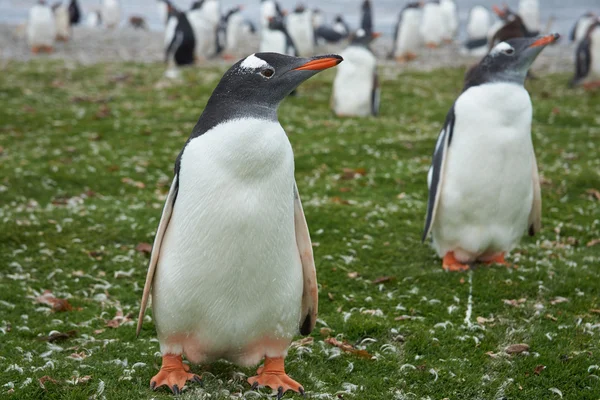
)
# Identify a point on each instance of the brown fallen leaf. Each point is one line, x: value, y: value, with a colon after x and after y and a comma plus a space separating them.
x: 45, y: 379
x: 348, y: 348
x: 345, y: 189
x: 351, y: 173
x: 78, y: 356
x: 595, y: 311
x: 539, y: 369
x: 551, y: 317
x: 492, y: 354
x: 144, y: 247
x: 593, y: 242
x: 516, y: 348
x: 353, y: 275
x: 75, y: 380
x: 325, y: 331
x: 482, y: 320
x: 513, y: 302
x: 58, y: 305
x: 594, y: 193
x: 58, y: 336
x: 559, y: 300
x: 339, y: 200
x: 307, y: 341
x: 137, y: 184
x: 383, y: 279
x: 118, y: 320
x: 330, y: 296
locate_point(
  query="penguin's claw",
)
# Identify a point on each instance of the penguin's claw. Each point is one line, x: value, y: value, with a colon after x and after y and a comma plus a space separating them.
x: 273, y: 375
x: 174, y: 374
x: 451, y: 264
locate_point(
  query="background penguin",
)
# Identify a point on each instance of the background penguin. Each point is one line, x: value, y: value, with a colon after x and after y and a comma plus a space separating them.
x: 269, y: 9
x: 275, y: 38
x: 587, y: 58
x: 41, y: 28
x: 356, y: 89
x: 74, y: 12
x: 318, y: 19
x: 205, y: 32
x: 407, y: 37
x: 366, y: 21
x: 529, y: 11
x: 111, y: 13
x: 581, y: 26
x: 233, y: 223
x: 299, y: 26
x: 432, y: 25
x: 180, y: 50
x: 450, y: 15
x: 62, y: 21
x: 231, y: 30
x: 93, y: 19
x: 484, y: 187
x: 478, y: 26
x: 334, y: 33
x: 513, y: 27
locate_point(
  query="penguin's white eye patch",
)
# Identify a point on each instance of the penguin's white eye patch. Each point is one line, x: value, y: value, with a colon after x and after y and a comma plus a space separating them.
x: 502, y: 47
x: 253, y: 62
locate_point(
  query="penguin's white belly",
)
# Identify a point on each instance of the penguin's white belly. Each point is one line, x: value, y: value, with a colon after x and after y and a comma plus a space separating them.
x: 595, y: 52
x: 203, y: 34
x: 229, y: 278
x: 409, y: 37
x: 273, y: 41
x: 111, y: 13
x: 479, y: 23
x: 582, y: 27
x: 487, y: 190
x: 234, y: 31
x: 353, y: 84
x: 41, y: 28
x: 301, y: 32
x: 529, y: 10
x: 63, y: 24
x: 267, y: 10
x: 433, y: 25
x: 450, y: 18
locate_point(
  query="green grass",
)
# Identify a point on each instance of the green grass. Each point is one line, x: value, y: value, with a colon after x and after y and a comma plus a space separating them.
x: 87, y: 157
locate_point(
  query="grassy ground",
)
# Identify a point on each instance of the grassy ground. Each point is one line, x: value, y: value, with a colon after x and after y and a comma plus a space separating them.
x: 86, y: 159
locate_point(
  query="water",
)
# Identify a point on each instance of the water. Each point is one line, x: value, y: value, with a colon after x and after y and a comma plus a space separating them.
x: 386, y: 11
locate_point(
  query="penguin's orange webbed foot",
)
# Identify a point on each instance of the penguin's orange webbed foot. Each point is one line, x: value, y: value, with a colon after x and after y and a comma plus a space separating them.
x: 451, y: 264
x: 273, y: 375
x: 499, y: 259
x: 174, y: 374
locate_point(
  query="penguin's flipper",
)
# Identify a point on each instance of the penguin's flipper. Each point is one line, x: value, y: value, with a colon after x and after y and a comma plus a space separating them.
x: 310, y: 296
x: 535, y: 215
x: 375, y: 95
x: 436, y: 172
x: 583, y: 61
x: 160, y: 233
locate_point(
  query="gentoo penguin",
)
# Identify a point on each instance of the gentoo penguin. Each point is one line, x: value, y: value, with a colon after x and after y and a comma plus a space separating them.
x: 366, y: 21
x: 450, y: 16
x: 232, y: 272
x: 334, y: 33
x: 356, y: 89
x: 269, y: 9
x: 587, y: 58
x: 41, y: 28
x: 318, y: 18
x: 62, y: 21
x: 93, y: 19
x: 581, y: 26
x: 275, y: 38
x: 205, y: 32
x: 484, y: 187
x: 111, y: 13
x: 478, y: 26
x: 180, y: 41
x: 211, y: 11
x: 407, y: 37
x: 231, y: 30
x: 513, y: 27
x: 299, y: 26
x: 74, y: 12
x: 529, y: 11
x: 432, y: 26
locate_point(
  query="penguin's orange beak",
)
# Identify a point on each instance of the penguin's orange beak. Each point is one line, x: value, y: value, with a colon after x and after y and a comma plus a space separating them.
x: 545, y: 40
x: 320, y: 64
x: 498, y: 11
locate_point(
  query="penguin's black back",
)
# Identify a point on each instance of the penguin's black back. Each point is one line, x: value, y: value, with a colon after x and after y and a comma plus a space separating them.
x: 183, y: 43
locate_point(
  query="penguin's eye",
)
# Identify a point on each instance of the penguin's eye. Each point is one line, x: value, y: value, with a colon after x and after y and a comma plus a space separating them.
x: 510, y: 52
x: 267, y: 73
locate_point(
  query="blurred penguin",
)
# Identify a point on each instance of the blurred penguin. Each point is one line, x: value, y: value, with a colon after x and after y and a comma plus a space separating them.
x: 41, y: 28
x: 432, y: 25
x: 318, y: 19
x: 180, y: 50
x: 93, y: 19
x: 407, y: 36
x: 74, y: 12
x: 269, y: 9
x: 299, y: 26
x: 200, y: 17
x: 367, y: 17
x: 587, y: 59
x: 478, y: 26
x: 529, y: 11
x: 276, y: 39
x: 211, y: 11
x: 111, y: 13
x: 356, y: 89
x: 581, y: 26
x: 63, y: 22
x: 513, y: 27
x: 334, y: 33
x: 232, y: 29
x: 450, y: 13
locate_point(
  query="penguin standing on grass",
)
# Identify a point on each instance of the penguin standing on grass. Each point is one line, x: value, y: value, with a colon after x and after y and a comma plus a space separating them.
x: 587, y: 59
x: 299, y: 26
x: 407, y: 38
x: 581, y: 26
x: 478, y: 26
x: 332, y: 33
x: 63, y: 22
x: 450, y: 16
x: 41, y: 28
x: 432, y: 24
x: 180, y: 43
x: 232, y: 272
x: 356, y: 90
x: 275, y: 38
x: 111, y: 13
x: 484, y: 187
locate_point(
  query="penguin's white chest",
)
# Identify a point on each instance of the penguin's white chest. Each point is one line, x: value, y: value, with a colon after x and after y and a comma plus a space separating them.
x: 487, y: 190
x: 300, y: 28
x: 353, y: 84
x: 111, y: 13
x: 41, y: 27
x: 479, y: 22
x: 409, y: 37
x: 595, y: 52
x: 273, y: 41
x: 433, y: 25
x: 229, y: 273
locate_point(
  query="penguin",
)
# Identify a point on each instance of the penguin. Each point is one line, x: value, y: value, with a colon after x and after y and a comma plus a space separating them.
x: 93, y: 19
x: 367, y: 17
x: 231, y: 30
x: 181, y: 45
x: 163, y: 7
x: 269, y: 9
x: 41, y: 28
x: 232, y: 272
x: 299, y: 26
x: 317, y: 18
x: 529, y: 11
x: 581, y: 26
x: 432, y: 25
x: 513, y: 27
x: 332, y: 34
x: 211, y: 11
x: 340, y: 26
x: 74, y: 12
x: 275, y: 38
x: 200, y: 16
x: 356, y: 90
x: 478, y: 26
x: 587, y: 58
x: 407, y: 38
x: 62, y: 21
x: 484, y: 186
x: 450, y: 17
x: 111, y: 13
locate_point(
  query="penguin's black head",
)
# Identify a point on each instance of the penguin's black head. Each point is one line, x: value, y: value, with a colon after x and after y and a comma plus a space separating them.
x: 197, y: 4
x: 509, y: 61
x: 338, y: 18
x: 265, y: 79
x: 277, y: 23
x: 505, y: 13
x: 363, y: 38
